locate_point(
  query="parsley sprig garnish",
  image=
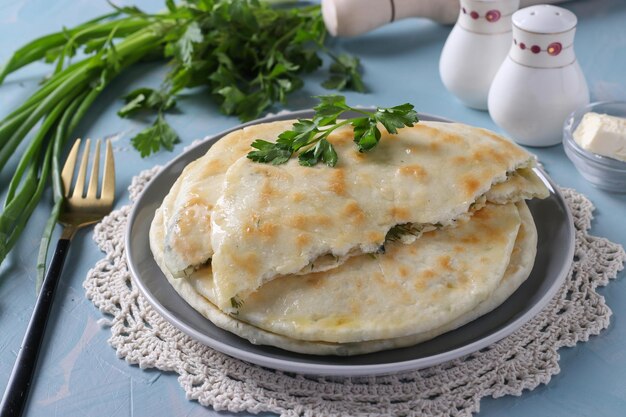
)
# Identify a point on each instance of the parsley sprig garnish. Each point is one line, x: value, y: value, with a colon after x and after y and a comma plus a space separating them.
x: 309, y: 137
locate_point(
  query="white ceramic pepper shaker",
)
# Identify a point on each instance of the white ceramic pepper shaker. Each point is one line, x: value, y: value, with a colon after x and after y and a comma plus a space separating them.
x: 540, y: 83
x: 475, y: 49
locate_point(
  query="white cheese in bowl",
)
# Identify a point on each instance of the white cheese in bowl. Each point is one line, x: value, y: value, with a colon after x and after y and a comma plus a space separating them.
x: 602, y: 134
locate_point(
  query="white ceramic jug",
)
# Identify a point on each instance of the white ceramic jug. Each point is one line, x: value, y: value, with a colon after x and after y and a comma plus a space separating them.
x: 475, y: 49
x: 540, y: 83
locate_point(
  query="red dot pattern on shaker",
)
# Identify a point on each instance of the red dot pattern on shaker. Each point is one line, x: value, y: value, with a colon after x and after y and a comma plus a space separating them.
x: 522, y: 45
x: 474, y: 15
x: 535, y: 49
x: 555, y: 48
x: 493, y: 15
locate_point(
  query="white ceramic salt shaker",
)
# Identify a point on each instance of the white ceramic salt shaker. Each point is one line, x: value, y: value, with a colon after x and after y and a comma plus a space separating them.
x: 475, y: 49
x: 540, y: 82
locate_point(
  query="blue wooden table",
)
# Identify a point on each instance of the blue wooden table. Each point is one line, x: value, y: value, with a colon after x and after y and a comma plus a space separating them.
x: 79, y: 373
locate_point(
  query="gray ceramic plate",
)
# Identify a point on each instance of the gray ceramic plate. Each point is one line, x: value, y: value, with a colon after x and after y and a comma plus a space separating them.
x: 554, y: 256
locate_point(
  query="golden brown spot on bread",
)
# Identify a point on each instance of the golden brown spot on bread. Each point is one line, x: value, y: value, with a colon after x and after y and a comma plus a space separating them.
x: 302, y: 240
x: 375, y: 237
x: 338, y: 181
x: 354, y: 212
x: 444, y: 262
x: 507, y: 144
x: 267, y: 190
x: 470, y: 185
x: 358, y: 156
x: 429, y: 274
x: 434, y: 146
x: 400, y: 213
x: 459, y: 249
x: 414, y: 170
x: 493, y: 234
x: 497, y: 156
x: 268, y: 230
x: 463, y: 278
x: 214, y: 166
x: 380, y: 278
x: 488, y: 155
x: 460, y: 160
x: 248, y: 262
x: 188, y: 221
x: 426, y: 130
x: 309, y: 222
x: 420, y: 285
x: 323, y: 220
x: 404, y: 271
x: 267, y: 193
x: 470, y: 239
x: 341, y: 136
x: 298, y: 197
x: 299, y: 221
x: 449, y: 137
x: 271, y: 172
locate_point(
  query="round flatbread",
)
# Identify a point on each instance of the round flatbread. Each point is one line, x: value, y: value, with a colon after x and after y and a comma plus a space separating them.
x: 257, y: 221
x: 456, y: 300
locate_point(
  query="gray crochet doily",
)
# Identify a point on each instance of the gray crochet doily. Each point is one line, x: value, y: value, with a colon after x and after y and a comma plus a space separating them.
x: 521, y: 361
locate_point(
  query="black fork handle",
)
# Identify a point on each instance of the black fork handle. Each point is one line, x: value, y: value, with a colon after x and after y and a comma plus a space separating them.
x: 17, y: 390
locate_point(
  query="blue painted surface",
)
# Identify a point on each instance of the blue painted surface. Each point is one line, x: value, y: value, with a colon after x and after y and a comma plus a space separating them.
x: 79, y: 373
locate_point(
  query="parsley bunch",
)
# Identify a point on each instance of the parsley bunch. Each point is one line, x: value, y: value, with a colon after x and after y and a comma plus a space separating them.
x: 309, y: 136
x: 247, y: 54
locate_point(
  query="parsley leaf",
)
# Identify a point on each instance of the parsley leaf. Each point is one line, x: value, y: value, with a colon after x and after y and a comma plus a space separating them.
x: 366, y: 133
x: 268, y: 152
x: 323, y: 151
x: 146, y: 99
x: 396, y: 117
x: 329, y: 109
x: 151, y: 139
x: 185, y: 45
x: 309, y: 137
x: 344, y: 74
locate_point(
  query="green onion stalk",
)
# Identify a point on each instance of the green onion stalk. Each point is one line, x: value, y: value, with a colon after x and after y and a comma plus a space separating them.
x: 55, y: 110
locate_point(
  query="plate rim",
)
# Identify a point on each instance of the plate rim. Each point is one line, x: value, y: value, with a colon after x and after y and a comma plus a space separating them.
x: 339, y: 369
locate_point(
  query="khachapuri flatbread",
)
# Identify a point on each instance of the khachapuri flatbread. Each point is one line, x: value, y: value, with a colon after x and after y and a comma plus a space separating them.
x: 386, y: 249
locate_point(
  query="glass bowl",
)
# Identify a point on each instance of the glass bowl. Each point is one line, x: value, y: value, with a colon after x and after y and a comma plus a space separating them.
x: 601, y: 171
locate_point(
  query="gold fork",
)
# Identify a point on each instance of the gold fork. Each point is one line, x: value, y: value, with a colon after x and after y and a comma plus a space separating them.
x: 79, y: 210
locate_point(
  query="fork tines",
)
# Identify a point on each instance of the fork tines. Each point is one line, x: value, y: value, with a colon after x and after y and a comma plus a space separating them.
x: 107, y: 192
